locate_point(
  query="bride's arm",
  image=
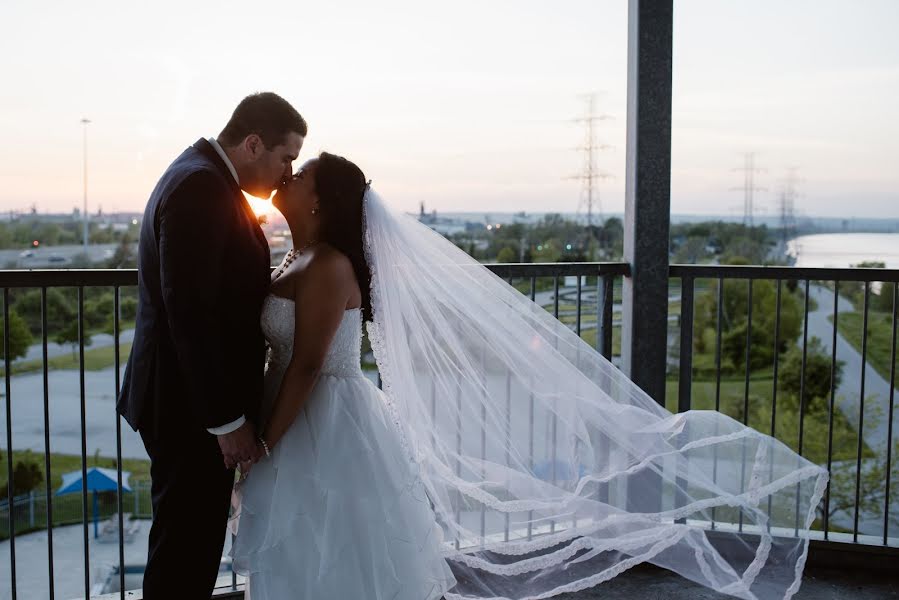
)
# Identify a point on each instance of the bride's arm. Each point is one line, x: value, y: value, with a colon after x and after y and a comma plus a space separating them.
x: 320, y: 302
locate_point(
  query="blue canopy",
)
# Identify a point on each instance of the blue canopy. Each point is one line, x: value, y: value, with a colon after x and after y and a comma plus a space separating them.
x: 98, y: 480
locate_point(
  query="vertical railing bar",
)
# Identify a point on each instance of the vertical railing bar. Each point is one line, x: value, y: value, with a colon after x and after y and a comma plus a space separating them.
x: 7, y: 364
x: 608, y: 305
x: 777, y: 300
x: 483, y: 460
x: 886, y: 503
x: 531, y: 452
x: 577, y: 322
x: 802, y: 369
x: 777, y: 297
x: 533, y: 293
x: 458, y: 454
x: 508, y: 443
x: 748, y: 353
x: 556, y: 296
x: 685, y: 378
x: 48, y: 474
x: 719, y: 312
x: 552, y: 523
x: 600, y: 304
x: 84, y: 510
x: 746, y: 390
x: 861, y: 414
x: 116, y: 334
x: 830, y: 413
x: 484, y: 443
x: 553, y: 458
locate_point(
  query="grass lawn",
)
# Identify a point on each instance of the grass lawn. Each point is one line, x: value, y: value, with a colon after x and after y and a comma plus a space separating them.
x: 94, y: 360
x: 815, y: 422
x: 589, y: 336
x: 880, y: 332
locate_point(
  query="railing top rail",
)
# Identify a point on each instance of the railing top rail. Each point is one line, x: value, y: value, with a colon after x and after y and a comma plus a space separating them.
x: 111, y: 277
x: 67, y: 277
x: 560, y: 269
x: 124, y: 277
x: 781, y: 272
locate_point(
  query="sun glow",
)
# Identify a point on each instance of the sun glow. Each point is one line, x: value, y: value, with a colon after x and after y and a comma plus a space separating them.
x: 260, y: 207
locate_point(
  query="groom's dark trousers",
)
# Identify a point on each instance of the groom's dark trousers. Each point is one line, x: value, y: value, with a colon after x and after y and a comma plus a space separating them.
x: 196, y: 361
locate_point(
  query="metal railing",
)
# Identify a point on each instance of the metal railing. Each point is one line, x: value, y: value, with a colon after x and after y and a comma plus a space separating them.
x: 690, y: 274
x: 592, y: 295
x: 44, y: 280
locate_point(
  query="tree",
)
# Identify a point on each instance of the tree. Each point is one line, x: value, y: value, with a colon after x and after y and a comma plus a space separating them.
x: 548, y: 252
x: 61, y: 309
x: 124, y: 257
x: 26, y: 476
x: 883, y: 301
x: 817, y: 373
x: 735, y: 320
x: 128, y: 307
x: 692, y: 250
x: 506, y: 255
x: 19, y: 337
x: 69, y: 335
x: 97, y: 312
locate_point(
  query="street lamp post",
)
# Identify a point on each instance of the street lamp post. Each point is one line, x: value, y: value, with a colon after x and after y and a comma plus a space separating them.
x: 85, y: 123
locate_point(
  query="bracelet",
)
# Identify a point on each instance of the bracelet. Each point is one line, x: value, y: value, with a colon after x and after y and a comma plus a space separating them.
x: 265, y: 446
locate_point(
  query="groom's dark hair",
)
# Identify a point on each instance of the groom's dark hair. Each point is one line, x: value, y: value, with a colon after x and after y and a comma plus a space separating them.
x: 266, y: 114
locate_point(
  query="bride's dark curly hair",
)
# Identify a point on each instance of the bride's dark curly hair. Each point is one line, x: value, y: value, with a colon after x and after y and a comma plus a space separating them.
x: 340, y: 186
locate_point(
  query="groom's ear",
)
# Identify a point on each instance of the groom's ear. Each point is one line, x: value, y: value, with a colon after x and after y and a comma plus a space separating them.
x: 253, y: 145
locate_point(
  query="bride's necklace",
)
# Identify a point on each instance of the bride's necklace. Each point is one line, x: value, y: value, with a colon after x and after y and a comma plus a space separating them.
x: 292, y: 255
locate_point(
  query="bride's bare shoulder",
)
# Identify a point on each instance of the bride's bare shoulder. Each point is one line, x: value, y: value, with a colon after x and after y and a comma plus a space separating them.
x: 331, y: 262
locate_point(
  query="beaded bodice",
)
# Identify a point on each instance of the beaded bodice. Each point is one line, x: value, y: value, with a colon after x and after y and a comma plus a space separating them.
x: 344, y: 355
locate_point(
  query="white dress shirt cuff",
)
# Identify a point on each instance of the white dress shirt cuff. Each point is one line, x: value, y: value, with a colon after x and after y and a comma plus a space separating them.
x: 228, y: 428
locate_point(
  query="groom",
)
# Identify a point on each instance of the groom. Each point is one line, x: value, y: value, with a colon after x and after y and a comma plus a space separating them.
x: 193, y: 382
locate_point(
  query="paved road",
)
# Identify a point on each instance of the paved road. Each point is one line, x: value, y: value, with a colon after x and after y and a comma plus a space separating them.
x: 27, y: 394
x: 53, y: 257
x: 877, y: 389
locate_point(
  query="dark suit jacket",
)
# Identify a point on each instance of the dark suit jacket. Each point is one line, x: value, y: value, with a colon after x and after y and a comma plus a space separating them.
x: 203, y: 273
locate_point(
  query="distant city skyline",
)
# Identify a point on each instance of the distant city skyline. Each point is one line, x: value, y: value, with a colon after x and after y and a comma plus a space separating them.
x: 468, y: 107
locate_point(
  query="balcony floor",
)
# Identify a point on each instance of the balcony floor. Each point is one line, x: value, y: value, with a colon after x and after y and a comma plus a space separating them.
x: 646, y: 582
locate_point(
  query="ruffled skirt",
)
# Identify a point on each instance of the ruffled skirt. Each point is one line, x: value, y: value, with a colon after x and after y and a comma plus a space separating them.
x: 339, y: 511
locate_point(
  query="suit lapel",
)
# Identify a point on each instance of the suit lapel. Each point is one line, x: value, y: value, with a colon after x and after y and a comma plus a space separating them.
x: 252, y: 221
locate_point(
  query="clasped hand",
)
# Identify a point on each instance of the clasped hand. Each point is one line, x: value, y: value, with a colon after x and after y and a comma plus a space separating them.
x: 240, y: 447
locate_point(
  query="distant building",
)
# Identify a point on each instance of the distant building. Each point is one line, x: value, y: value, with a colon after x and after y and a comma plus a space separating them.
x: 442, y: 225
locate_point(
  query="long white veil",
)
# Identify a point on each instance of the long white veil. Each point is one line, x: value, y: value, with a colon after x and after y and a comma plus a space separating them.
x: 549, y: 470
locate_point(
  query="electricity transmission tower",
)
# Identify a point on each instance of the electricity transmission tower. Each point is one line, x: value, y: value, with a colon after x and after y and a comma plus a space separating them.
x: 749, y: 187
x: 787, y: 203
x: 590, y: 175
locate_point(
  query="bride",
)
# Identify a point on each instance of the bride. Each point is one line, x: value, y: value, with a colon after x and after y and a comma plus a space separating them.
x: 505, y: 459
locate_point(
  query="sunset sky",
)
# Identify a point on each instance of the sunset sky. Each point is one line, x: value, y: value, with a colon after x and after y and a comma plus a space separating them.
x: 465, y: 105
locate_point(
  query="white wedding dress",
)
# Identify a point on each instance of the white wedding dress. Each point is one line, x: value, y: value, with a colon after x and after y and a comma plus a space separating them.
x: 506, y: 447
x: 339, y: 510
